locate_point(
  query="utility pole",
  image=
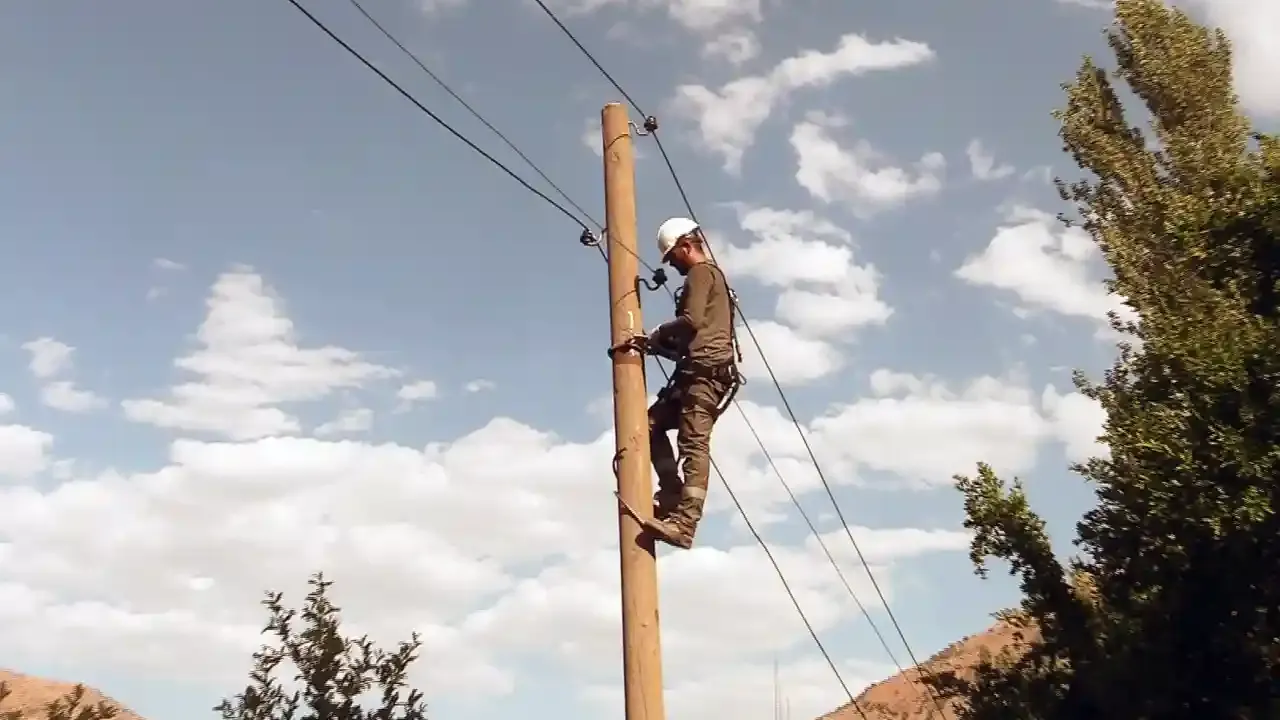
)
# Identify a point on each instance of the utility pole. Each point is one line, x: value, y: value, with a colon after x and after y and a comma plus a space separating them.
x: 641, y: 643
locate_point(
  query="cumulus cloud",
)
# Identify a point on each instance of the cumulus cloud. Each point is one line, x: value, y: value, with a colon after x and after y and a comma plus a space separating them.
x: 860, y: 177
x: 1078, y: 420
x: 793, y: 358
x: 52, y: 359
x: 1251, y: 25
x: 728, y: 118
x: 824, y: 294
x: 1045, y: 265
x: 49, y: 357
x: 416, y: 392
x: 983, y: 164
x: 24, y: 451
x: 735, y: 46
x: 137, y: 567
x: 989, y: 419
x: 433, y: 7
x: 64, y: 395
x: 167, y: 264
x: 479, y: 385
x: 248, y: 362
x: 700, y: 16
x: 348, y: 422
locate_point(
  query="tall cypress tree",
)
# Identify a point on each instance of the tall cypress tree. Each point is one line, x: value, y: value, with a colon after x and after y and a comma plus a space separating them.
x: 1172, y: 609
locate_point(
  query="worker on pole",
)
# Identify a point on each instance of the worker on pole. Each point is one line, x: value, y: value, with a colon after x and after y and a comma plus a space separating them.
x: 701, y: 341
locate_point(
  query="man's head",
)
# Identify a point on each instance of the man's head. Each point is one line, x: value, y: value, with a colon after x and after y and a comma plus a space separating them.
x: 680, y: 244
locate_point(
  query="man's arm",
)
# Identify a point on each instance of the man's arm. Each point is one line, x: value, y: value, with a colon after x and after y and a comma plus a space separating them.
x: 693, y: 313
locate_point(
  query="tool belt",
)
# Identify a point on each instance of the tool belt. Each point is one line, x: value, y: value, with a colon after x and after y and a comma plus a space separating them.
x: 726, y: 372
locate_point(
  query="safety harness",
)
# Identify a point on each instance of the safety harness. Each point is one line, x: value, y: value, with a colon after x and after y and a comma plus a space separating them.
x: 735, y: 377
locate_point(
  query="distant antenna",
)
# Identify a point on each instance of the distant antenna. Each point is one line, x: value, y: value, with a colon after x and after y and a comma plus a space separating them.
x: 777, y: 699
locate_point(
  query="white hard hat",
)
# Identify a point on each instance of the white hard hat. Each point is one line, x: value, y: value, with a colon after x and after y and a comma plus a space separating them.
x: 670, y: 232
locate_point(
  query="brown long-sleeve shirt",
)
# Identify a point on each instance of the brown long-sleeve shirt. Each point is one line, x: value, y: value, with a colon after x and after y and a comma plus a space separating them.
x: 703, y: 325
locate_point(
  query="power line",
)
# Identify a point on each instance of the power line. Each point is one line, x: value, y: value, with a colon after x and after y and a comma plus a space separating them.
x: 474, y: 113
x: 818, y: 536
x: 526, y: 185
x: 795, y: 601
x: 569, y: 34
x: 769, y: 554
x: 772, y: 375
x: 355, y: 53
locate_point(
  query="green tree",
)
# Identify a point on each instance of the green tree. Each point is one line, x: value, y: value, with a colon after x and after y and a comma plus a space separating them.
x: 1172, y: 609
x: 334, y: 673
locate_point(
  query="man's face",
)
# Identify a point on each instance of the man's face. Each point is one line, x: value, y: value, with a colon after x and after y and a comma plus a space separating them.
x: 679, y: 256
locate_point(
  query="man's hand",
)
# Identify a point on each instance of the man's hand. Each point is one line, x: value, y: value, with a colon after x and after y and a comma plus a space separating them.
x: 658, y: 342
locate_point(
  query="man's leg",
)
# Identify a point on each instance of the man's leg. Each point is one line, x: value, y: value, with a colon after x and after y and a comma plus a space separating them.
x: 697, y: 419
x: 664, y: 415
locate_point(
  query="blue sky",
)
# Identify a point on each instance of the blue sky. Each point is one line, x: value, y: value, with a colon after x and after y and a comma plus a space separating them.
x: 262, y: 317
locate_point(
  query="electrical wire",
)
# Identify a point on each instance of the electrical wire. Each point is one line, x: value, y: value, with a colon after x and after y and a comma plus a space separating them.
x: 569, y: 34
x: 356, y: 54
x: 751, y: 528
x: 786, y: 586
x: 684, y: 196
x: 474, y: 113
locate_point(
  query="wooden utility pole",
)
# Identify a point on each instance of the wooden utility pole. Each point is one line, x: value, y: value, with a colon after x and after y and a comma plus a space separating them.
x: 641, y: 643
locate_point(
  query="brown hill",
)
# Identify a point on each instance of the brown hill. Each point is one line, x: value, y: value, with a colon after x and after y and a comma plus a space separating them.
x: 902, y: 698
x: 30, y: 696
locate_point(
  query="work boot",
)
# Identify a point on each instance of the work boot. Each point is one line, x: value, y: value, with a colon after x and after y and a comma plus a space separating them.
x: 676, y: 531
x: 679, y: 527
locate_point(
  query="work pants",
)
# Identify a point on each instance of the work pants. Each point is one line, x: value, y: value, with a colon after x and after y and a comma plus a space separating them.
x: 689, y: 405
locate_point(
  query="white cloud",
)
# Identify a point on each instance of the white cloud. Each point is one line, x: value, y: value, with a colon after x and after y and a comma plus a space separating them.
x: 703, y: 17
x: 794, y: 359
x: 983, y: 164
x: 408, y: 536
x: 1252, y: 26
x: 728, y: 118
x: 481, y: 385
x: 248, y: 362
x: 735, y: 46
x: 49, y: 357
x: 921, y: 430
x: 65, y: 396
x: 1045, y: 265
x: 825, y: 295
x: 1078, y: 420
x: 416, y: 392
x: 7, y: 405
x: 408, y: 533
x: 432, y: 7
x: 861, y: 178
x: 1041, y: 173
x: 1095, y: 4
x: 167, y: 264
x: 24, y: 452
x: 349, y: 422
x: 706, y: 645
